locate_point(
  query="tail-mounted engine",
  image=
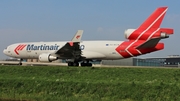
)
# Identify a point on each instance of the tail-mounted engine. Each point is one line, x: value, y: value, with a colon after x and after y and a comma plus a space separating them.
x: 133, y: 34
x: 47, y: 57
x: 128, y: 32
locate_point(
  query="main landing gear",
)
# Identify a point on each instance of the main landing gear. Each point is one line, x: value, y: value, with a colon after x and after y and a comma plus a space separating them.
x: 73, y: 64
x: 86, y: 64
x: 83, y: 64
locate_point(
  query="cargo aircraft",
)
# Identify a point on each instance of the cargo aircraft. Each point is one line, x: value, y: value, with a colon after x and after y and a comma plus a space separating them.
x: 145, y: 39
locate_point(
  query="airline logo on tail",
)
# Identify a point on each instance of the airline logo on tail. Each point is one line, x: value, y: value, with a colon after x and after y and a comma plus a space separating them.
x: 144, y: 36
x: 19, y: 48
x: 78, y: 36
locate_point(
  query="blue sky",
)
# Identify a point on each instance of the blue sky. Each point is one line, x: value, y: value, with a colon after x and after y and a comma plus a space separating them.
x: 58, y: 20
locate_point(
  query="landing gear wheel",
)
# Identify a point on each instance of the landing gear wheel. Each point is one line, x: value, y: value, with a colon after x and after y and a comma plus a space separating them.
x: 70, y: 63
x: 20, y: 63
x: 89, y: 64
x: 73, y: 64
x: 83, y: 64
x: 86, y: 64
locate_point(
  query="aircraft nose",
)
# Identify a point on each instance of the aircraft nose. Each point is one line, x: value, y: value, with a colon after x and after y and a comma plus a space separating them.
x: 5, y: 51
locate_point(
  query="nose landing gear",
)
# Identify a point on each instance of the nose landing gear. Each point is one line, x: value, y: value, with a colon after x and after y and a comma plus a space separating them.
x: 20, y: 61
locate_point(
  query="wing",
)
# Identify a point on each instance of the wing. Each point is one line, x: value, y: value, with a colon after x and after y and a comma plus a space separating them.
x: 71, y: 49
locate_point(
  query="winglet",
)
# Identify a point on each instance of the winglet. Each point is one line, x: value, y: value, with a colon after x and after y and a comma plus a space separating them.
x: 77, y: 36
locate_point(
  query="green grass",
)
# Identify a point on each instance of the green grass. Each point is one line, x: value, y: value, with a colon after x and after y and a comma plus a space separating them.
x: 52, y: 83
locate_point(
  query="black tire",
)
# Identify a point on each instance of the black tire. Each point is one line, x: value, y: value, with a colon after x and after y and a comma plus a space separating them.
x: 86, y: 64
x: 20, y: 63
x: 75, y: 64
x: 83, y: 64
x: 89, y: 64
x: 70, y: 63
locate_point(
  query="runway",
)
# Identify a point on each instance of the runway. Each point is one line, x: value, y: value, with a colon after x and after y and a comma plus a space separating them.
x: 31, y: 63
x: 65, y: 64
x: 37, y: 63
x: 50, y: 64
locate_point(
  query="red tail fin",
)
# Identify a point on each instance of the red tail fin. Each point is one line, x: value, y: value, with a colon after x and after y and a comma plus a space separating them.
x: 155, y: 19
x: 145, y: 39
x: 150, y: 26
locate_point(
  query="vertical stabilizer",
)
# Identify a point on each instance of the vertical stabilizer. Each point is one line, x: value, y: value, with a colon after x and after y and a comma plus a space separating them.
x: 150, y: 27
x: 155, y: 19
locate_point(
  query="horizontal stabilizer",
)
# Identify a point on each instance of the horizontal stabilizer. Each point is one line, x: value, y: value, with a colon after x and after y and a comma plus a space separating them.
x: 167, y: 30
x: 149, y: 43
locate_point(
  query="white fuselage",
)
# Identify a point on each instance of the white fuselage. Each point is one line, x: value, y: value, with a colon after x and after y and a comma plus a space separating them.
x: 90, y: 49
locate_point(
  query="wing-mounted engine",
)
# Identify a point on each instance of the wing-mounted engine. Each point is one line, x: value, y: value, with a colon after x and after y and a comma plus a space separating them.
x: 47, y: 57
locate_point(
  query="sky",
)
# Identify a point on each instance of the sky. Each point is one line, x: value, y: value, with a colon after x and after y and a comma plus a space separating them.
x: 58, y: 20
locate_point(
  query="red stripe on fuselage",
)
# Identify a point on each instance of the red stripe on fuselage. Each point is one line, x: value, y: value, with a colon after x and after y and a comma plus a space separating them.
x: 15, y: 50
x: 18, y: 48
x: 22, y: 47
x: 126, y: 52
